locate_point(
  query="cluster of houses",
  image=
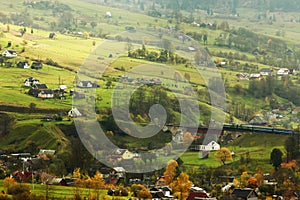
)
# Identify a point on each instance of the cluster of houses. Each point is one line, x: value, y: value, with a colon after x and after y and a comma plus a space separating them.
x: 266, y: 72
x: 41, y: 90
x: 9, y: 54
x: 34, y: 65
x: 25, y: 161
x: 22, y: 64
x: 140, y: 81
x: 118, y: 175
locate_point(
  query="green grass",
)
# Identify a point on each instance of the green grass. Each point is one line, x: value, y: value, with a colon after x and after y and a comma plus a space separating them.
x: 13, y: 90
x: 62, y: 192
x: 259, y: 146
x: 44, y: 135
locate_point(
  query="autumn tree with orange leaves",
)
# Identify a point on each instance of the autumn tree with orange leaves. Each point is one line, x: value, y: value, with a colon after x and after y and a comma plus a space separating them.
x: 170, y: 172
x: 181, y: 186
x: 252, y: 183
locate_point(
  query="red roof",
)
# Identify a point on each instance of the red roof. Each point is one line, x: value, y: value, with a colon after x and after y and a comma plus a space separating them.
x: 192, y: 195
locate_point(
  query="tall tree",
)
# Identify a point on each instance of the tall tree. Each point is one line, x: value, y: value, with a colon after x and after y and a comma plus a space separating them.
x: 181, y: 186
x: 223, y: 155
x: 276, y: 158
x: 171, y: 171
x: 244, y: 178
x: 97, y: 183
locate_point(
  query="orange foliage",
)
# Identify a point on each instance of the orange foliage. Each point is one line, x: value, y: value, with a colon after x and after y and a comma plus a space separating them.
x: 291, y: 164
x: 8, y: 182
x: 252, y: 183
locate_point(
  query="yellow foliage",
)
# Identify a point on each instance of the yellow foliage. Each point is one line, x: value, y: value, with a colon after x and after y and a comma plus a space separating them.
x: 181, y: 186
x: 223, y: 155
x: 8, y: 182
x: 244, y: 178
x: 170, y: 172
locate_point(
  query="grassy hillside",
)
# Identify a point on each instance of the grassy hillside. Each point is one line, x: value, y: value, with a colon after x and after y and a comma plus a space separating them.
x: 257, y: 145
x: 78, y: 45
x: 32, y: 134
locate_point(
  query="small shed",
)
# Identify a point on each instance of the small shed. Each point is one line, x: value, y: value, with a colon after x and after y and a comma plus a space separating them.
x: 36, y: 65
x: 74, y: 112
x: 108, y: 14
x: 23, y: 65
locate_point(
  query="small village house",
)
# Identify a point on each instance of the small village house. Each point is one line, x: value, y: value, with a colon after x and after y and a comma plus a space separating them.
x: 74, y: 112
x: 41, y: 91
x: 256, y: 76
x: 212, y: 146
x: 108, y: 14
x: 85, y: 84
x: 29, y: 82
x: 46, y: 154
x: 46, y: 94
x: 23, y: 65
x: 266, y: 71
x: 245, y: 194
x: 258, y: 119
x: 283, y: 72
x: 9, y: 54
x: 243, y: 76
x: 36, y: 65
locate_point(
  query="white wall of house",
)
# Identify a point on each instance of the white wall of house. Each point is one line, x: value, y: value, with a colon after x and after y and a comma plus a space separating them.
x: 212, y: 146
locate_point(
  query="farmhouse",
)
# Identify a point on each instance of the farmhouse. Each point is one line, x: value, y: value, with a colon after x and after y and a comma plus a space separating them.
x: 118, y: 172
x: 242, y: 76
x: 258, y: 120
x: 63, y: 88
x: 283, y: 71
x: 9, y: 54
x: 46, y: 154
x: 23, y: 65
x: 195, y: 24
x: 46, y: 94
x: 257, y: 76
x: 36, y: 65
x: 123, y: 154
x: 212, y: 146
x: 87, y: 84
x: 245, y: 194
x: 31, y: 81
x: 198, y: 193
x: 74, y: 112
x: 108, y: 14
x: 36, y: 88
x: 266, y: 71
x: 41, y: 91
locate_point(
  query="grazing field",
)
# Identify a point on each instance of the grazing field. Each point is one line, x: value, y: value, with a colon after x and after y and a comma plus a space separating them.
x: 61, y: 192
x: 257, y: 145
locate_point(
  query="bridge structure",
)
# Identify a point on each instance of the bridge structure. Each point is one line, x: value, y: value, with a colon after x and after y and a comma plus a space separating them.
x: 234, y: 128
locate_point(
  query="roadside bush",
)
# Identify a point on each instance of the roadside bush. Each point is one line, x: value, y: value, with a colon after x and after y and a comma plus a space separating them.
x: 49, y: 61
x: 18, y: 189
x: 9, y: 182
x: 21, y: 196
